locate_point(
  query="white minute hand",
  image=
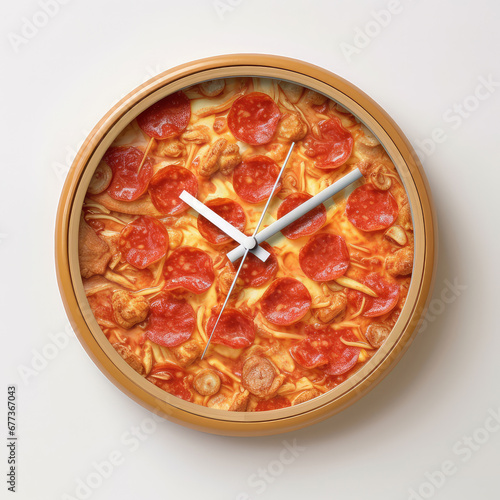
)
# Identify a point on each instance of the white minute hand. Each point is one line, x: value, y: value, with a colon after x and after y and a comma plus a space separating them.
x: 298, y: 212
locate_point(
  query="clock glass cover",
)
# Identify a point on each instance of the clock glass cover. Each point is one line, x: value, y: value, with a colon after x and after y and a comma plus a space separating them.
x: 156, y: 272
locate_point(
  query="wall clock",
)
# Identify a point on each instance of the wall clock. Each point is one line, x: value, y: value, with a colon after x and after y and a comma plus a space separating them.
x: 245, y: 244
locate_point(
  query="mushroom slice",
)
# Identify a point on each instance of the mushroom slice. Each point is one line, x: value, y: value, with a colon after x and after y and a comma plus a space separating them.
x: 396, y: 234
x: 207, y: 382
x: 101, y: 179
x: 304, y: 396
x: 378, y: 178
x: 212, y: 88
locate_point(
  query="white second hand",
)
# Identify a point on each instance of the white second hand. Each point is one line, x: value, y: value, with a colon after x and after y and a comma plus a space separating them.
x: 262, y: 215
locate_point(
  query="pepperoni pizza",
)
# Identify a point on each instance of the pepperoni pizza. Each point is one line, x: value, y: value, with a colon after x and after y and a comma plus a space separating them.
x: 156, y: 273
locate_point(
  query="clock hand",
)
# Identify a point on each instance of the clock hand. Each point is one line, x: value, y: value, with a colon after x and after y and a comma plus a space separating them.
x: 247, y: 249
x: 298, y: 212
x: 224, y: 225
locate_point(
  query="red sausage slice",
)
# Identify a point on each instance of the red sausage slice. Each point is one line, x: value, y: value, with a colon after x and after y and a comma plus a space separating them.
x: 275, y: 403
x: 334, y: 146
x: 324, y: 257
x: 255, y: 272
x: 324, y: 349
x: 253, y: 118
x: 167, y: 117
x: 285, y: 302
x: 254, y: 178
x: 388, y: 296
x: 143, y: 241
x: 371, y: 210
x: 167, y: 185
x: 127, y: 184
x: 305, y: 225
x: 234, y: 329
x: 171, y: 321
x: 230, y: 211
x: 189, y: 268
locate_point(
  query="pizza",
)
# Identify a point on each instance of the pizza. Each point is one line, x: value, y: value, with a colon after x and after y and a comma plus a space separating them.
x: 156, y: 273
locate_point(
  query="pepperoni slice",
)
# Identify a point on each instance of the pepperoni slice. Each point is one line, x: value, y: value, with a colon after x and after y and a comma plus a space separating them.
x: 167, y: 117
x: 253, y: 118
x: 388, y: 296
x: 371, y: 210
x: 255, y: 272
x: 171, y: 321
x: 275, y: 403
x: 143, y: 241
x: 189, y: 268
x: 234, y: 329
x: 285, y: 302
x: 324, y: 257
x: 229, y: 210
x: 333, y: 147
x: 127, y: 184
x: 167, y: 185
x: 305, y: 225
x: 254, y: 178
x: 342, y: 357
x: 325, y: 349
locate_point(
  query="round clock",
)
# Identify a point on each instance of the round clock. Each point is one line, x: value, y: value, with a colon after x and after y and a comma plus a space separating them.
x: 245, y: 244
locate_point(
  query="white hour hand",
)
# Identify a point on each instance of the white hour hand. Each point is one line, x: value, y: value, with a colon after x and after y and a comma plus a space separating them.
x: 223, y: 225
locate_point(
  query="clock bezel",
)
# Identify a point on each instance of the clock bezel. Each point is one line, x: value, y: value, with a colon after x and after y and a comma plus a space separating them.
x: 190, y: 414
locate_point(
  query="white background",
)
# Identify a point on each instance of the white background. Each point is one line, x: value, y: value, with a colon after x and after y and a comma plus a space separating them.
x: 58, y: 83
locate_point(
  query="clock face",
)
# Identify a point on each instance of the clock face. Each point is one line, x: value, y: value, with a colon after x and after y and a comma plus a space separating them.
x: 156, y: 273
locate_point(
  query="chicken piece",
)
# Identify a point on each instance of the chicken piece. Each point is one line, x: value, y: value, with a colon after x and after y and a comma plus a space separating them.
x: 129, y: 309
x: 170, y: 147
x: 220, y: 124
x: 337, y: 303
x: 376, y: 334
x: 277, y: 151
x: 404, y: 216
x: 237, y: 402
x: 281, y: 357
x: 230, y: 158
x: 93, y: 251
x: 225, y: 280
x: 223, y: 156
x: 196, y: 135
x: 292, y: 128
x: 259, y: 376
x: 131, y: 358
x: 400, y: 263
x: 186, y: 353
x: 207, y: 382
x: 304, y: 396
x: 314, y: 98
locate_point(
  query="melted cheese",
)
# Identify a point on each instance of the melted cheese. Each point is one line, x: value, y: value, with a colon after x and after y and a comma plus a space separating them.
x: 300, y: 175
